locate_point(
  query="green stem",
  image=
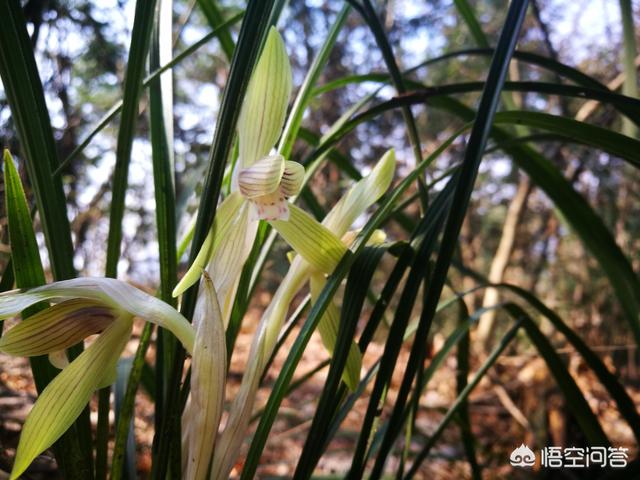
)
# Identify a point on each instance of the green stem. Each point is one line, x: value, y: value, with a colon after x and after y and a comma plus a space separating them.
x: 126, y: 410
x: 102, y: 433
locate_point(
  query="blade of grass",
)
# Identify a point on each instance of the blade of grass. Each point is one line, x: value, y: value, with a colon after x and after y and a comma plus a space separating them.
x: 161, y: 131
x: 625, y: 404
x: 140, y: 37
x: 294, y: 120
x: 24, y: 93
x: 25, y: 96
x: 280, y: 387
x: 580, y: 216
x: 423, y: 245
x: 577, y: 212
x: 466, y: 12
x: 124, y: 469
x: 161, y: 143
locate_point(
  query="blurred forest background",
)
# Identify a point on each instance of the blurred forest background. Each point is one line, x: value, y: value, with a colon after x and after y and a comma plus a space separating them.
x: 511, y: 233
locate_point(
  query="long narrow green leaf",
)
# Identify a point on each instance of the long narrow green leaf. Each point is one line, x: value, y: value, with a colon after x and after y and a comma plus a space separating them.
x: 161, y: 130
x: 468, y: 172
x: 466, y: 12
x: 116, y: 108
x: 214, y: 16
x: 575, y: 210
x: 28, y: 273
x: 280, y: 387
x: 25, y: 95
x: 373, y: 21
x: 630, y: 86
x: 462, y: 372
x: 577, y: 132
x: 140, y: 38
x: 625, y: 404
x: 26, y: 98
x: 423, y: 244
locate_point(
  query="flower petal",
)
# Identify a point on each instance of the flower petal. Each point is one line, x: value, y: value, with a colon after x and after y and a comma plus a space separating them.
x: 292, y: 179
x: 361, y: 196
x: 225, y: 217
x: 314, y: 242
x: 57, y: 328
x: 265, y: 103
x: 65, y: 397
x: 270, y: 207
x: 261, y: 178
x: 208, y: 369
x: 328, y: 328
x: 117, y: 294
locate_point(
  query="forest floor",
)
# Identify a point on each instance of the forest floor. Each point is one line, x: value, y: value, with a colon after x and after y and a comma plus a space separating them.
x: 518, y: 403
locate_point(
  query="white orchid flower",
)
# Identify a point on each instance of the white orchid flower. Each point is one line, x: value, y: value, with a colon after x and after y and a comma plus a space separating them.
x: 84, y: 306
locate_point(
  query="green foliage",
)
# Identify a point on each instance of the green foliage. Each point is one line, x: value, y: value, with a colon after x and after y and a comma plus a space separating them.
x: 342, y: 119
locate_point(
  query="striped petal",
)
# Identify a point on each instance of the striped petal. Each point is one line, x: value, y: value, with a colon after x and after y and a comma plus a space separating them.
x: 261, y: 178
x: 361, y: 196
x: 265, y: 103
x: 57, y: 328
x: 313, y: 241
x: 328, y: 328
x: 116, y: 294
x: 64, y: 398
x: 292, y: 179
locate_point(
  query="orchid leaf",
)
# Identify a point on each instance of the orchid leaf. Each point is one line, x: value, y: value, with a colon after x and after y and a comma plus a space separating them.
x: 65, y: 397
x: 265, y: 103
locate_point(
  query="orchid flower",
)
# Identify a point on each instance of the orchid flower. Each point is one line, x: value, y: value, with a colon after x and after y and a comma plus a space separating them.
x: 84, y: 307
x: 322, y: 252
x: 261, y: 184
